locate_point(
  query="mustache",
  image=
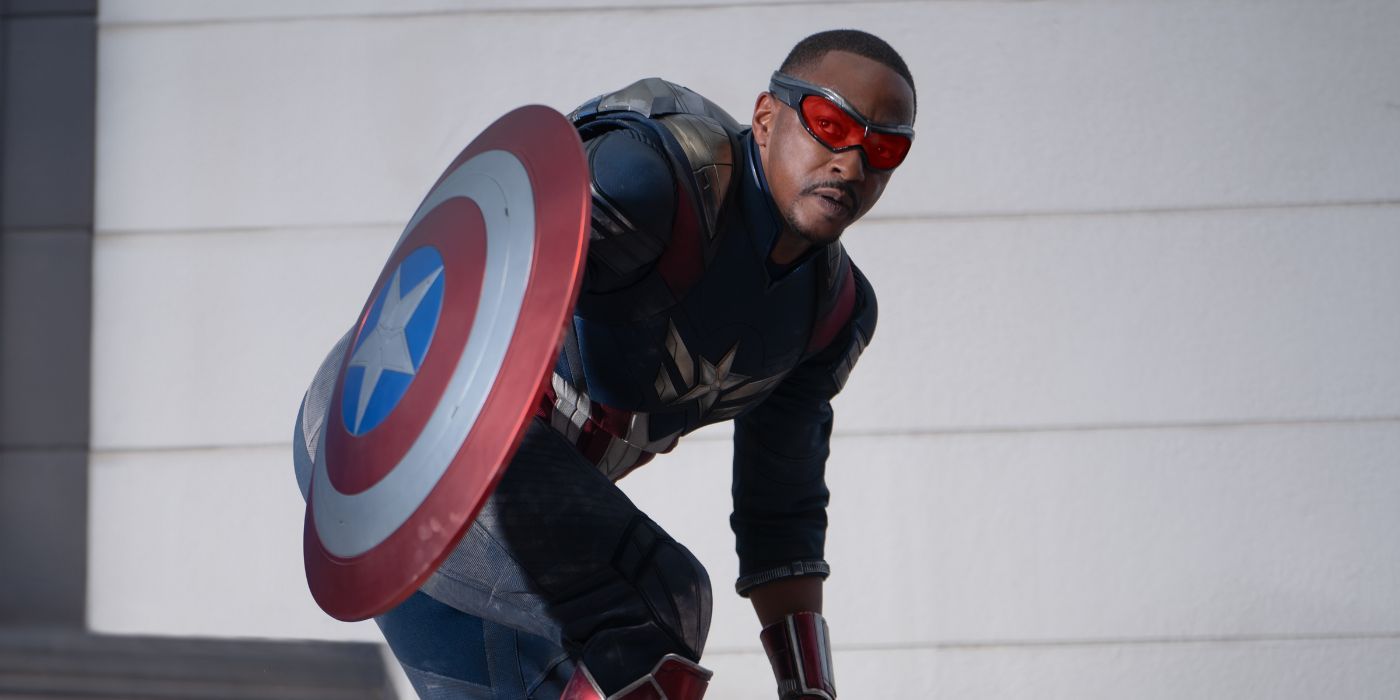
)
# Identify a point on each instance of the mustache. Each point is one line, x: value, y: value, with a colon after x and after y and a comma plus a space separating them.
x: 842, y: 185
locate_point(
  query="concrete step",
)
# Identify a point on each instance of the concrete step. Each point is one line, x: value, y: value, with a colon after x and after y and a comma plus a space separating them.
x: 56, y: 665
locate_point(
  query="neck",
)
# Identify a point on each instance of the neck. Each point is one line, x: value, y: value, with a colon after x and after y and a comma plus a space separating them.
x: 788, y: 248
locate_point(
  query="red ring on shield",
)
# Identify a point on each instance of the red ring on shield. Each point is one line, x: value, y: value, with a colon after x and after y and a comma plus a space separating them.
x: 368, y: 583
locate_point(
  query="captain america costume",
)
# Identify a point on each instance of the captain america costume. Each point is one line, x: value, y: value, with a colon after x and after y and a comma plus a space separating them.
x: 714, y: 287
x: 682, y: 321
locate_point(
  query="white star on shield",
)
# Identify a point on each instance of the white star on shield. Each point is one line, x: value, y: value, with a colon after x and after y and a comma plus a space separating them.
x: 386, y: 346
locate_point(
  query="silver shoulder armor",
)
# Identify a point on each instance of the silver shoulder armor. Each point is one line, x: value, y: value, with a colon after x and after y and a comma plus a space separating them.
x: 706, y: 133
x: 711, y: 155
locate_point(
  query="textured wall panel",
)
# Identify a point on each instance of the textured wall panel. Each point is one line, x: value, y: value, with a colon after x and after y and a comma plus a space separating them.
x: 1190, y: 318
x: 211, y: 340
x: 1266, y: 670
x: 43, y: 520
x: 47, y: 77
x: 1078, y: 535
x: 1203, y: 317
x: 1052, y: 537
x: 119, y: 12
x: 45, y: 333
x: 47, y: 96
x: 1026, y: 106
x: 202, y: 543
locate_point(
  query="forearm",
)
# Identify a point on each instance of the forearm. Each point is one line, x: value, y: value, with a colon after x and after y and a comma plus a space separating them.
x: 795, y: 637
x: 777, y: 599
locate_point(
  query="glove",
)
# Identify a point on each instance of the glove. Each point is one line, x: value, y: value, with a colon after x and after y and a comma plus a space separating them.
x: 799, y: 648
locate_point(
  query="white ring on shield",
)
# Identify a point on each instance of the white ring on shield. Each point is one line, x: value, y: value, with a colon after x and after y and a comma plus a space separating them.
x: 349, y: 525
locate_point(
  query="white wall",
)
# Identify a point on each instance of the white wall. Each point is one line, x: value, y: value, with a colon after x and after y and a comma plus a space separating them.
x: 1130, y: 426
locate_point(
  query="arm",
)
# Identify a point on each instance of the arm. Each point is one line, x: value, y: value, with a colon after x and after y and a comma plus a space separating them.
x: 776, y: 600
x: 780, y: 499
x: 793, y: 629
x: 634, y: 201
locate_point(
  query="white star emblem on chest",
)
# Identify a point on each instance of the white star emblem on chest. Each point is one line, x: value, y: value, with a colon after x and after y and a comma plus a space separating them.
x: 716, y: 382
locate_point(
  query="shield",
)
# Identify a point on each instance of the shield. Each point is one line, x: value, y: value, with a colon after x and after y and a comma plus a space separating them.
x: 441, y: 372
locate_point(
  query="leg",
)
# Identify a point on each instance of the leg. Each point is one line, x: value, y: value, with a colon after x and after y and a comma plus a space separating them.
x: 560, y: 553
x: 450, y: 655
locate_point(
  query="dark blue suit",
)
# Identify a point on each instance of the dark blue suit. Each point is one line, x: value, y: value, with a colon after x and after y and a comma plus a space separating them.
x: 683, y: 321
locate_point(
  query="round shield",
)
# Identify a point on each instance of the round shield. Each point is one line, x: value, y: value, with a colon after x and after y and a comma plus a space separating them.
x: 442, y: 370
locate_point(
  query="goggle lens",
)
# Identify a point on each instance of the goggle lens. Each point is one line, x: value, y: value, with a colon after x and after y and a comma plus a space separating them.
x: 837, y: 130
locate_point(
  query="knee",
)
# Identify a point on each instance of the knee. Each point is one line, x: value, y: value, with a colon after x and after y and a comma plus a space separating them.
x: 672, y: 582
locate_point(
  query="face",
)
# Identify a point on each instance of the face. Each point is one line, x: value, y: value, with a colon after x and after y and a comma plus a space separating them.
x: 819, y: 193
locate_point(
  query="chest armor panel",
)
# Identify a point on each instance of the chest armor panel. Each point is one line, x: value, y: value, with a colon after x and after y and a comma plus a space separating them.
x: 718, y: 350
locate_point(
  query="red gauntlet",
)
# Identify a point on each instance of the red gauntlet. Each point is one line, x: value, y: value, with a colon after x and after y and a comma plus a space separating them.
x: 799, y: 648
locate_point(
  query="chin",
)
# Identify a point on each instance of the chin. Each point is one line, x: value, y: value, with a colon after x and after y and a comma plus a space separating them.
x: 815, y: 228
x: 819, y: 230
x: 820, y: 236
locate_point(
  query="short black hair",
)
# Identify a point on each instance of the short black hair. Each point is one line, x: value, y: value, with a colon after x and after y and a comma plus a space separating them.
x: 810, y: 50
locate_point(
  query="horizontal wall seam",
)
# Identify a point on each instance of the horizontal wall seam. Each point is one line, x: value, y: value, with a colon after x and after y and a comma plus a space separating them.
x: 1186, y: 210
x: 45, y: 229
x: 1125, y: 426
x: 1013, y: 644
x: 250, y: 230
x: 875, y: 433
x: 19, y: 15
x: 37, y: 448
x: 568, y: 10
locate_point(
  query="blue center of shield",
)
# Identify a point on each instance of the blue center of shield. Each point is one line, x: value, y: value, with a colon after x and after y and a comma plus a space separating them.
x: 393, y: 341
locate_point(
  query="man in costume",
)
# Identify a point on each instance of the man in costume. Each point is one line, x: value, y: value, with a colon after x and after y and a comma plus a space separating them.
x: 715, y: 288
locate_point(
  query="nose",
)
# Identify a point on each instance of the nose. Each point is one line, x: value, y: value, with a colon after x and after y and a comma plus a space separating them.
x: 848, y: 165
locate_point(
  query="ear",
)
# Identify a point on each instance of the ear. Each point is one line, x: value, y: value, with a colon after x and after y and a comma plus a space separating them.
x: 764, y: 110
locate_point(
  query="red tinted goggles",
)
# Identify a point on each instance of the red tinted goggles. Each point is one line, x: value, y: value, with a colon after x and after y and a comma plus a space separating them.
x: 834, y: 123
